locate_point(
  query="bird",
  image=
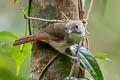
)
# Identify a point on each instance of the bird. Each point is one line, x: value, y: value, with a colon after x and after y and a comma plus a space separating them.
x: 59, y: 35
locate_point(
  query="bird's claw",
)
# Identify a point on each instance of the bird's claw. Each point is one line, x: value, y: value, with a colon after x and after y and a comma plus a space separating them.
x: 75, y: 59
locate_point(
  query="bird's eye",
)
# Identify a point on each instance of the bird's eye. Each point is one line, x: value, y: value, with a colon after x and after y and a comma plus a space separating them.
x: 76, y: 26
x: 65, y: 28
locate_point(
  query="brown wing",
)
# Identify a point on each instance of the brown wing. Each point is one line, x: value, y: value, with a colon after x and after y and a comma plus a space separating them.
x: 56, y: 30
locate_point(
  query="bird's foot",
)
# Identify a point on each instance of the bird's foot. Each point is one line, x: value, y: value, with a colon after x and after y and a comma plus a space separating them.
x: 73, y: 58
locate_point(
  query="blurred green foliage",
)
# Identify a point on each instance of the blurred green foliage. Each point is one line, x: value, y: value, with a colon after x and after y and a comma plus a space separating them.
x: 18, y: 53
x: 16, y: 1
x: 11, y: 58
x: 103, y: 25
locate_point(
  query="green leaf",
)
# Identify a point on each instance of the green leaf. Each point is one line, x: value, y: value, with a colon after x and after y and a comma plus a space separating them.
x: 16, y: 1
x: 74, y: 78
x: 7, y: 34
x: 26, y: 9
x: 19, y: 56
x: 90, y: 64
x: 2, y: 44
x: 101, y: 56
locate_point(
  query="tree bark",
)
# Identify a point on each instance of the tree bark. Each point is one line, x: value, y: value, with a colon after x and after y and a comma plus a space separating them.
x: 42, y: 53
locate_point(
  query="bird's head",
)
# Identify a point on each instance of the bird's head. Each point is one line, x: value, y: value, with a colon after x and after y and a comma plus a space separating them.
x: 75, y: 26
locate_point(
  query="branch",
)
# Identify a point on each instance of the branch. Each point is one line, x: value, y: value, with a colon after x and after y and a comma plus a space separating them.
x: 81, y: 9
x: 75, y: 63
x: 29, y: 15
x: 72, y: 69
x: 46, y: 20
x: 40, y: 19
x: 64, y: 15
x: 89, y: 10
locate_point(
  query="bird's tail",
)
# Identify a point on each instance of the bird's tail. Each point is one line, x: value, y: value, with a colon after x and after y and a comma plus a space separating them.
x: 30, y: 38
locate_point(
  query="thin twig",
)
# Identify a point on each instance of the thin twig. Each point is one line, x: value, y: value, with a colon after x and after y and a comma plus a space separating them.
x: 64, y: 15
x: 75, y: 63
x: 81, y: 12
x: 86, y: 20
x: 46, y: 20
x: 40, y: 19
x: 72, y: 69
x: 89, y: 10
x: 29, y: 27
x: 88, y: 32
x: 22, y: 45
x: 81, y: 67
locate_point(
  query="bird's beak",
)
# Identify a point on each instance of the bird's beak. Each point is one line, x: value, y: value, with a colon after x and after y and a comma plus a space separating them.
x: 70, y: 31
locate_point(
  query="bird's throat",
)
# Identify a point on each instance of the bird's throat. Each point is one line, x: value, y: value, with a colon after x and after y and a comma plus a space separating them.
x: 74, y: 38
